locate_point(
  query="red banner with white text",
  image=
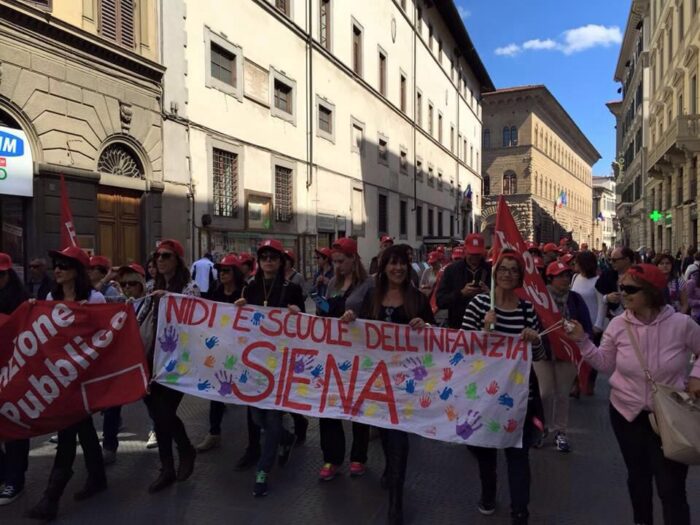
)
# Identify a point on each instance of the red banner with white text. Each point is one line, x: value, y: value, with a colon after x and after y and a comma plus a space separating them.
x: 60, y: 362
x: 507, y: 235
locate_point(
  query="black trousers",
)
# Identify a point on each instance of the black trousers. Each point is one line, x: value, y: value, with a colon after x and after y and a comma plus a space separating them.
x: 216, y: 416
x: 395, y: 446
x: 14, y: 461
x: 518, y: 462
x: 162, y: 405
x: 645, y: 461
x: 333, y: 441
x: 92, y: 451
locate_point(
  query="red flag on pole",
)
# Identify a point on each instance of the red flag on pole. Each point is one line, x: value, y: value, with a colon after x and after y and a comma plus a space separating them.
x: 68, y: 235
x: 507, y: 235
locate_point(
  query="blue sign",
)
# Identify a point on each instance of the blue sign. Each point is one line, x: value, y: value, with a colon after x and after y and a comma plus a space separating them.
x: 11, y: 145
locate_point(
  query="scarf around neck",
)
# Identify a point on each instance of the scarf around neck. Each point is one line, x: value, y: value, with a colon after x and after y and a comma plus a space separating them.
x: 561, y: 299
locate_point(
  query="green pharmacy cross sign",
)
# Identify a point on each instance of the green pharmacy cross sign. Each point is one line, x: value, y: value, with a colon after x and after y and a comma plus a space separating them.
x: 656, y: 216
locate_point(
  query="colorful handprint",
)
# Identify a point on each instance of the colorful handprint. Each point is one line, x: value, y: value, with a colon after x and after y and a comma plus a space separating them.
x: 211, y: 342
x: 510, y: 426
x: 203, y: 385
x: 428, y: 360
x: 257, y: 318
x: 345, y: 366
x: 303, y: 364
x: 184, y: 338
x: 477, y: 366
x: 170, y: 365
x: 447, y: 374
x: 505, y: 400
x: 224, y: 321
x: 410, y: 386
x: 243, y: 377
x: 451, y: 413
x: 367, y: 363
x: 517, y: 377
x: 425, y: 400
x: 302, y: 389
x: 371, y: 410
x: 399, y: 378
x: 408, y: 410
x: 471, y: 391
x: 317, y: 371
x: 230, y: 362
x: 493, y: 388
x: 185, y: 357
x: 446, y: 393
x: 430, y: 384
x: 456, y: 359
x: 182, y: 368
x: 417, y: 368
x: 271, y: 363
x: 333, y: 400
x: 225, y: 380
x: 168, y: 341
x: 210, y: 361
x: 470, y: 425
x: 493, y: 426
x: 172, y: 378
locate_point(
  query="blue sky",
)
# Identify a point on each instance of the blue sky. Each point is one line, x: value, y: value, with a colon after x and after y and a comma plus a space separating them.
x: 568, y: 45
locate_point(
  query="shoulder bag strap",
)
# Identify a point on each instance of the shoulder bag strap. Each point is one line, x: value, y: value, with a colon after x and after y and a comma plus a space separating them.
x: 637, y: 351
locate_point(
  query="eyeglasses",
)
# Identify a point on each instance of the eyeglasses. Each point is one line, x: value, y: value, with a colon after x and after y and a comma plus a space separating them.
x: 163, y: 255
x: 225, y: 270
x: 124, y: 284
x: 269, y: 257
x: 511, y: 271
x: 61, y: 265
x: 629, y: 289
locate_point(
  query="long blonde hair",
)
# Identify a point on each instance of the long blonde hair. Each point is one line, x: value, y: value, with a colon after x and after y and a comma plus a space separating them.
x: 359, y: 273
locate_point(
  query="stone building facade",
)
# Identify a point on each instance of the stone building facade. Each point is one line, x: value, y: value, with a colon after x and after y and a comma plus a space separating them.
x: 536, y: 156
x: 81, y: 80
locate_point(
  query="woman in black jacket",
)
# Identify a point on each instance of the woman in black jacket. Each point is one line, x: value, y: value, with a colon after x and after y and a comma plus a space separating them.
x: 394, y: 299
x: 14, y: 459
x: 270, y: 288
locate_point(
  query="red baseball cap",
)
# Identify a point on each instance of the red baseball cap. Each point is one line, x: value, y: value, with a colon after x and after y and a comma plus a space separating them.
x: 271, y: 244
x: 441, y: 249
x: 529, y: 245
x: 173, y: 245
x: 5, y: 262
x: 386, y: 238
x: 346, y: 246
x: 74, y: 253
x: 474, y: 244
x: 539, y: 262
x: 566, y: 259
x: 649, y: 273
x: 246, y: 257
x: 434, y: 257
x: 457, y: 253
x: 133, y: 267
x: 550, y: 247
x: 556, y: 268
x: 291, y: 255
x: 325, y: 252
x: 228, y: 260
x: 584, y: 246
x: 100, y: 260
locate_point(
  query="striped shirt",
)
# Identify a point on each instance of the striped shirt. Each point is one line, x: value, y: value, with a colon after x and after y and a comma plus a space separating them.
x: 511, y: 322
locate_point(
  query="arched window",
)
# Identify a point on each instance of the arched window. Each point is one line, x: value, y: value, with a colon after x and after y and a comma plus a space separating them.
x: 119, y: 159
x: 486, y: 189
x: 510, y: 183
x: 487, y: 139
x: 513, y: 136
x: 506, y: 137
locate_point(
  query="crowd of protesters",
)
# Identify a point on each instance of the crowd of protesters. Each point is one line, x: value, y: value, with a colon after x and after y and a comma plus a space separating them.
x: 615, y: 301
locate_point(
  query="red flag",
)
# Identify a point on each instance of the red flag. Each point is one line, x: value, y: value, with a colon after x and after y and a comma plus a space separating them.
x: 507, y: 235
x: 68, y: 235
x: 433, y: 294
x: 61, y: 361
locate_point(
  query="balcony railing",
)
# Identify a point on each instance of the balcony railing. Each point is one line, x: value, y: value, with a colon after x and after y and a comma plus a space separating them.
x: 682, y: 134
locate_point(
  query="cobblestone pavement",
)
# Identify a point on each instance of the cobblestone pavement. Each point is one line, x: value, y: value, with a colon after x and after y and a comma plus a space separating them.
x: 584, y: 487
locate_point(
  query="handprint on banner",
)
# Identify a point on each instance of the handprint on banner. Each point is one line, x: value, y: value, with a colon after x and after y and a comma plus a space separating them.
x: 396, y: 359
x: 182, y: 368
x: 410, y: 386
x: 471, y: 391
x: 184, y: 338
x: 510, y: 426
x: 408, y: 410
x: 210, y: 361
x: 456, y: 359
x: 203, y: 385
x: 170, y: 365
x: 425, y: 400
x: 172, y: 378
x: 257, y: 318
x: 333, y: 400
x: 230, y: 362
x: 303, y: 364
x: 470, y: 425
x: 317, y: 371
x: 399, y: 378
x: 271, y: 363
x: 168, y: 341
x: 505, y: 400
x: 224, y: 321
x: 211, y: 342
x: 431, y: 431
x: 493, y: 426
x: 417, y: 368
x: 345, y: 366
x: 371, y: 410
x: 318, y: 382
x: 493, y: 388
x: 428, y: 360
x: 302, y: 390
x: 451, y: 413
x: 367, y: 363
x: 517, y: 377
x: 225, y: 380
x: 260, y: 380
x: 379, y: 383
x: 244, y: 377
x: 185, y: 357
x: 447, y: 374
x: 242, y: 340
x: 430, y: 385
x: 446, y: 393
x: 477, y: 366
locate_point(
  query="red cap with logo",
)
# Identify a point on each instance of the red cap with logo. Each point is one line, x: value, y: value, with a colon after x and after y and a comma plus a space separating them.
x: 5, y: 262
x: 246, y: 257
x: 325, y: 252
x: 173, y: 245
x: 229, y: 259
x: 566, y: 259
x: 539, y: 262
x: 434, y: 257
x: 556, y: 268
x: 346, y: 246
x: 649, y: 273
x: 133, y: 267
x: 550, y: 247
x: 457, y: 253
x: 271, y: 244
x: 100, y: 260
x: 474, y: 244
x: 291, y: 255
x: 74, y: 253
x: 386, y: 238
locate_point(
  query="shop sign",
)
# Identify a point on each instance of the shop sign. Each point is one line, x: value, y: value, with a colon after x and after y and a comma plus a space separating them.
x: 16, y: 167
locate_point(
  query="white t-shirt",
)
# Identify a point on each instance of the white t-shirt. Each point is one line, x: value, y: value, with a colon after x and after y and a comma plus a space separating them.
x: 595, y: 302
x: 95, y: 298
x: 200, y: 271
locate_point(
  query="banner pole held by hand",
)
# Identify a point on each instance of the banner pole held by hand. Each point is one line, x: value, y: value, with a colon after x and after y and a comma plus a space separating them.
x: 493, y: 296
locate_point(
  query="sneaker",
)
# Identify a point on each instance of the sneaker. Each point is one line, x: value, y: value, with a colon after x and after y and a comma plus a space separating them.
x: 328, y: 472
x: 109, y: 457
x: 260, y: 488
x: 357, y: 469
x: 9, y: 494
x: 562, y: 443
x: 486, y: 508
x: 249, y: 459
x: 286, y: 450
x: 152, y: 441
x: 209, y: 442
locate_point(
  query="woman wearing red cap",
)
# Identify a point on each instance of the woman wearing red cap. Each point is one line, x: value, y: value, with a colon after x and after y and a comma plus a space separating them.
x: 649, y: 335
x: 72, y: 284
x: 324, y: 273
x: 229, y: 291
x: 513, y: 316
x: 173, y: 277
x: 394, y: 299
x: 429, y: 277
x: 16, y: 454
x: 349, y: 285
x: 269, y: 288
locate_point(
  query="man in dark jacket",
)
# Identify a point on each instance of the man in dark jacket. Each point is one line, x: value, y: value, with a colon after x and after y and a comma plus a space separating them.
x: 39, y: 283
x: 463, y: 280
x: 607, y: 284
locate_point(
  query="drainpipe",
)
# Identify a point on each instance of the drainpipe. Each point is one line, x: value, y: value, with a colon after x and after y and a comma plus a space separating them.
x: 415, y: 110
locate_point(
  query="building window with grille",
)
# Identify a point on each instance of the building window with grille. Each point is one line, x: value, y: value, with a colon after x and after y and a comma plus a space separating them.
x: 506, y: 137
x: 382, y: 72
x: 284, y: 96
x: 117, y: 21
x: 510, y: 183
x: 225, y: 167
x: 402, y: 93
x: 284, y: 183
x: 419, y: 221
x: 283, y: 6
x: 382, y: 214
x: 513, y: 136
x: 419, y: 109
x: 325, y: 23
x: 403, y: 218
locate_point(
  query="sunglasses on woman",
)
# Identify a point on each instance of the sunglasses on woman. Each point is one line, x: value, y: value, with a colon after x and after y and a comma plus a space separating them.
x: 164, y: 255
x: 62, y: 265
x: 629, y: 289
x: 225, y: 270
x: 269, y: 257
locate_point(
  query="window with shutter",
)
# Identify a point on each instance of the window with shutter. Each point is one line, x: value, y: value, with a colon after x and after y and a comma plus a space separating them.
x: 225, y: 183
x: 283, y: 194
x: 117, y: 21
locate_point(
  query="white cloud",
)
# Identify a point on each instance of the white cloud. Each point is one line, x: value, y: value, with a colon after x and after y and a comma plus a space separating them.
x: 464, y: 12
x: 572, y: 41
x: 508, y: 51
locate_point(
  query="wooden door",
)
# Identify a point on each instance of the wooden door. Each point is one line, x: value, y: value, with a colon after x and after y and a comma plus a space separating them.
x: 119, y: 229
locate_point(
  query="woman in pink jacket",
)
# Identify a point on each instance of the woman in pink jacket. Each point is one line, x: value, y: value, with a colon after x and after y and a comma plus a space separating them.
x: 666, y: 339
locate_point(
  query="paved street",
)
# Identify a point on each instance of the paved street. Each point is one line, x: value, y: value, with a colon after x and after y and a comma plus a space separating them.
x: 586, y: 487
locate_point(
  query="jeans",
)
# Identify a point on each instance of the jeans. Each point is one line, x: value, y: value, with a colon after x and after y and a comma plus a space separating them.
x: 645, y: 461
x: 216, y: 416
x: 333, y: 441
x: 555, y: 379
x: 92, y: 452
x: 14, y: 462
x: 162, y: 405
x: 271, y: 421
x: 110, y: 428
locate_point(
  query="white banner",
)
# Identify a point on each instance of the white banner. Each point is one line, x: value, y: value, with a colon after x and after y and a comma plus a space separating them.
x: 450, y: 385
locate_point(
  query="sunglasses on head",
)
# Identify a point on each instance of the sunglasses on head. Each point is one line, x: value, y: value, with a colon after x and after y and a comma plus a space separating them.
x: 630, y: 289
x: 129, y: 283
x: 269, y: 257
x: 164, y: 255
x: 62, y: 265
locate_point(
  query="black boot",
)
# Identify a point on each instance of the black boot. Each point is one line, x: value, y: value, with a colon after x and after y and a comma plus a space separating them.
x: 395, y: 516
x: 93, y: 485
x: 165, y: 478
x: 186, y: 466
x: 47, y: 508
